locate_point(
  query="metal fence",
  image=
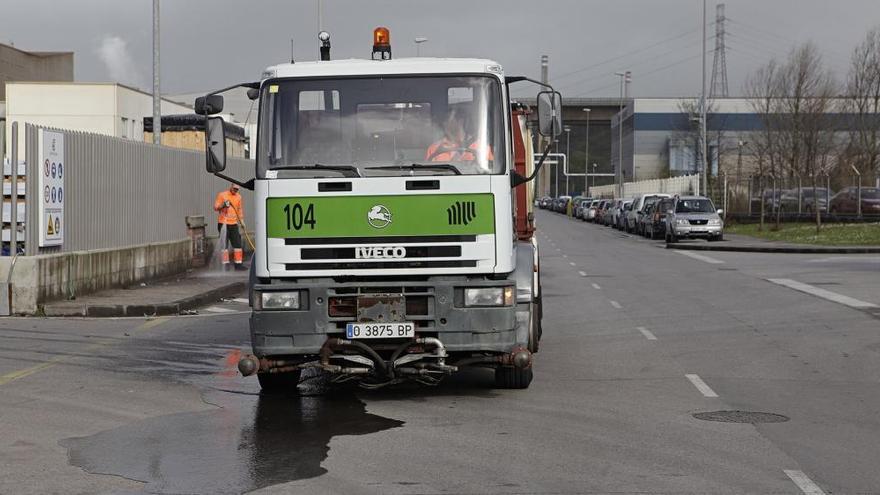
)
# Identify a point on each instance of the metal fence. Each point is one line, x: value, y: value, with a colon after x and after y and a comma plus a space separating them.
x: 841, y: 196
x: 122, y: 193
x: 685, y: 184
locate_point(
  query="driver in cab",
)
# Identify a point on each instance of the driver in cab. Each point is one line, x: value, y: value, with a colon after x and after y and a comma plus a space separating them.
x: 456, y: 145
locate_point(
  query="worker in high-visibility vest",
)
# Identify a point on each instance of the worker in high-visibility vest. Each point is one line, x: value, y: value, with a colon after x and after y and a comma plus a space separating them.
x: 228, y: 206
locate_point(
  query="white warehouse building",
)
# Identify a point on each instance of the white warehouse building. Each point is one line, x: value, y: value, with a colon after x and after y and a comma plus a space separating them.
x: 103, y: 108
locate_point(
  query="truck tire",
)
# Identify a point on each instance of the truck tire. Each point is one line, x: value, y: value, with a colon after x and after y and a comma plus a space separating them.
x: 534, y: 327
x: 278, y: 383
x: 512, y: 378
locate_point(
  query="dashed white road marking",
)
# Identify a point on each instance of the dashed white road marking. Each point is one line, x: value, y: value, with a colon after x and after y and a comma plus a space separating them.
x: 836, y: 259
x: 824, y: 294
x: 705, y: 259
x: 572, y: 263
x: 582, y: 273
x: 803, y: 482
x: 596, y: 286
x: 565, y: 256
x: 616, y: 304
x: 647, y: 333
x: 241, y: 300
x: 217, y: 309
x: 701, y: 386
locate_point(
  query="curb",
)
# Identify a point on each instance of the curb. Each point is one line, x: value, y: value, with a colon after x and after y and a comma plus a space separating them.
x: 160, y: 309
x: 777, y: 249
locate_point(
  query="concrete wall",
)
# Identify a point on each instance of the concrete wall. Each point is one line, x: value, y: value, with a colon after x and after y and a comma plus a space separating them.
x: 19, y: 65
x: 38, y: 279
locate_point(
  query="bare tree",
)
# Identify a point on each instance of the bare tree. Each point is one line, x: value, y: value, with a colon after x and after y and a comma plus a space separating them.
x: 794, y: 101
x: 863, y: 103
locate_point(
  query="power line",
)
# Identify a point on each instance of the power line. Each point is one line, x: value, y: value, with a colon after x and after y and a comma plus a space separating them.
x: 789, y: 41
x: 653, y: 58
x: 642, y: 74
x: 627, y: 54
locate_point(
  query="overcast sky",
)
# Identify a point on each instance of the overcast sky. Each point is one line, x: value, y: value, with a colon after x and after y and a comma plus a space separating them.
x: 207, y: 44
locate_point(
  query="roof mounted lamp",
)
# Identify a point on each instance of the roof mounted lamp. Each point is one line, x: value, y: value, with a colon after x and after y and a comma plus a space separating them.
x: 382, y: 43
x: 324, y: 37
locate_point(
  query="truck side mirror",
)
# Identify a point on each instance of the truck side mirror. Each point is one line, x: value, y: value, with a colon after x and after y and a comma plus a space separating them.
x: 209, y: 105
x: 549, y: 113
x: 215, y: 145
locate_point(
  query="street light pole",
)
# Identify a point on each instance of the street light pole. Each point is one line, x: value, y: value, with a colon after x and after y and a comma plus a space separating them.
x: 625, y: 77
x: 594, y: 179
x: 703, y: 144
x: 587, y: 151
x: 157, y: 97
x: 419, y: 40
x: 567, y: 153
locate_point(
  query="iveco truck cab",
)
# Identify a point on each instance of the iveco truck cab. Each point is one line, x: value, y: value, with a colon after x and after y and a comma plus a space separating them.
x: 390, y: 241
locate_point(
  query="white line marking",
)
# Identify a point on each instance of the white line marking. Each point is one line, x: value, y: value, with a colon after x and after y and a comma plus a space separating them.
x: 616, y: 304
x: 803, y: 482
x: 596, y: 286
x: 571, y: 263
x: 700, y: 257
x: 582, y: 274
x: 216, y: 309
x: 824, y: 294
x: 701, y: 386
x: 241, y: 300
x: 647, y: 333
x: 565, y: 256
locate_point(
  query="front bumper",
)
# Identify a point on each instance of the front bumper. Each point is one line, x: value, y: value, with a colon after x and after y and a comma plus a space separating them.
x: 698, y: 230
x: 436, y: 311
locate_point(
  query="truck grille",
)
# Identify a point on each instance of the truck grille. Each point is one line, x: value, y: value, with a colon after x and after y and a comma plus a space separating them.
x: 367, y: 265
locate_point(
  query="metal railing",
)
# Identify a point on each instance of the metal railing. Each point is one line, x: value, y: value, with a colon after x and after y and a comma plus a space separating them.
x: 123, y: 193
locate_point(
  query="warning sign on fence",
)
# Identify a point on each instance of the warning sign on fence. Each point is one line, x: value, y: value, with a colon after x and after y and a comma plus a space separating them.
x: 52, y: 184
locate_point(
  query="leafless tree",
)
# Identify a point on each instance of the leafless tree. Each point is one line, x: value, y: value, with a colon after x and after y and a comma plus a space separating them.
x: 863, y: 104
x: 794, y: 100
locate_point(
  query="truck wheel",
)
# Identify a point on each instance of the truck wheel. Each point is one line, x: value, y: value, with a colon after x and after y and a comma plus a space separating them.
x: 512, y: 378
x: 278, y: 383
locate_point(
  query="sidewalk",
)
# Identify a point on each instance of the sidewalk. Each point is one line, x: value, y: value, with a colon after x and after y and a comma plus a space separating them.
x: 167, y: 296
x: 747, y: 244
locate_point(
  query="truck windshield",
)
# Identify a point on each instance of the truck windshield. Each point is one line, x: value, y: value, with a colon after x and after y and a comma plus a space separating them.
x: 381, y: 126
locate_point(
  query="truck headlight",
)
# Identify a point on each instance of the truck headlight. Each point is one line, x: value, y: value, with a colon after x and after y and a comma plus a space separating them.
x: 489, y: 296
x: 279, y: 300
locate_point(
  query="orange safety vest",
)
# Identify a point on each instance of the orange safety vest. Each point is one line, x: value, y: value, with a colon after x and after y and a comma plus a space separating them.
x: 228, y: 216
x: 454, y: 154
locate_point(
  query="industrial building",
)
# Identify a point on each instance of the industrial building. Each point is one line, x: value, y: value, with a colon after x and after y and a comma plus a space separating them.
x: 110, y: 109
x: 20, y: 65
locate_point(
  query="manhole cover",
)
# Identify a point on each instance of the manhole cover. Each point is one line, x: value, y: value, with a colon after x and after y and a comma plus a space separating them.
x: 741, y: 417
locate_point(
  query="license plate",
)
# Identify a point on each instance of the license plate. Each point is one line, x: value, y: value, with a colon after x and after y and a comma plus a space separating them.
x: 380, y: 330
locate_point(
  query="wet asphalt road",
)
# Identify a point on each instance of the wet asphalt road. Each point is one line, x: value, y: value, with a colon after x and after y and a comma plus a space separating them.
x: 637, y: 339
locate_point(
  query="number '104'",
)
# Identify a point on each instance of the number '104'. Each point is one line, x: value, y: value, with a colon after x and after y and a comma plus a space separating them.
x: 297, y: 216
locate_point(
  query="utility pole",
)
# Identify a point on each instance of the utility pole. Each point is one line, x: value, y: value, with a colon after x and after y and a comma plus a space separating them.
x: 157, y: 96
x: 625, y: 78
x: 567, y: 154
x: 545, y: 172
x: 587, y: 152
x: 703, y: 144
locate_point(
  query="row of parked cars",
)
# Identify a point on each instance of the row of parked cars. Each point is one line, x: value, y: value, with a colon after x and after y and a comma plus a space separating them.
x: 845, y: 201
x: 653, y: 215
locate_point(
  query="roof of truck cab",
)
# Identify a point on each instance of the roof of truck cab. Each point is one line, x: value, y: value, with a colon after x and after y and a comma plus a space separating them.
x: 363, y: 67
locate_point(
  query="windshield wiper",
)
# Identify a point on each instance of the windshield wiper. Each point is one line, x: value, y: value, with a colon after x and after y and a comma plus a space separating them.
x: 318, y: 166
x: 419, y: 166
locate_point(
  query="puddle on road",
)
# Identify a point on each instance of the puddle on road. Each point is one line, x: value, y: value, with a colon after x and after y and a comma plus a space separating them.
x: 249, y: 442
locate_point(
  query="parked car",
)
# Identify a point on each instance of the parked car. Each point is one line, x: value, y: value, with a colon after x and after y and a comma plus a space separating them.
x: 624, y: 211
x: 655, y: 227
x: 847, y: 200
x: 789, y: 200
x: 544, y: 202
x: 582, y: 207
x: 600, y: 211
x: 772, y: 198
x: 610, y: 208
x: 694, y: 216
x: 645, y: 218
x: 561, y: 204
x: 591, y: 211
x: 638, y: 209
